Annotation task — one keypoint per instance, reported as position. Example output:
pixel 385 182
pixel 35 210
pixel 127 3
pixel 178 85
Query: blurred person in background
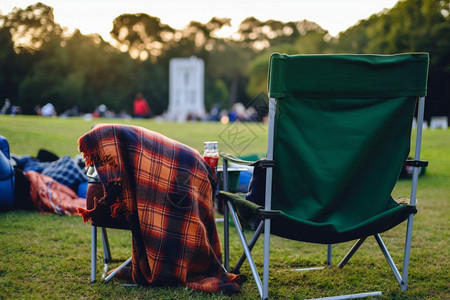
pixel 141 109
pixel 48 110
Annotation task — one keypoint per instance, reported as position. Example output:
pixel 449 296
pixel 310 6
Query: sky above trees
pixel 97 16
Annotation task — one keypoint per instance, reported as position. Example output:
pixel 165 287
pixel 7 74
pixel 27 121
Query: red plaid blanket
pixel 164 188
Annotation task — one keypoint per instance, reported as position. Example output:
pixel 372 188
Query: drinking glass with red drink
pixel 211 154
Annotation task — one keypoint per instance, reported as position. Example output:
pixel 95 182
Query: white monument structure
pixel 186 88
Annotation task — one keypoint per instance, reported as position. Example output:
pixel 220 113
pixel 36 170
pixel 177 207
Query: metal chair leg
pixel 93 253
pixel 351 252
pixel 329 254
pixel 107 258
pixel 105 243
pixel 114 273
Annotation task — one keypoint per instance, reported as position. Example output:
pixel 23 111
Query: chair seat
pixel 287 226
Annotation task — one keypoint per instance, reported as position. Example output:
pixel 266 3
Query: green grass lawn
pixel 28 134
pixel 48 256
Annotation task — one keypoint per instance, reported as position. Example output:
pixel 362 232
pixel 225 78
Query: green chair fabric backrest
pixel 342 133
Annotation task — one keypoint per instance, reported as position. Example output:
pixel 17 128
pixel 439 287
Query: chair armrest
pixel 268 214
pixel 264 163
pixel 416 163
pixel 234 159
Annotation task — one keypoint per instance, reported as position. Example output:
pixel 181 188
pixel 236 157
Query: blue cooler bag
pixel 6 177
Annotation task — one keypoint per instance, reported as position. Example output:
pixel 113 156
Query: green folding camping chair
pixel 339 133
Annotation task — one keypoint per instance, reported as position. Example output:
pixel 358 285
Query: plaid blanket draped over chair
pixel 164 189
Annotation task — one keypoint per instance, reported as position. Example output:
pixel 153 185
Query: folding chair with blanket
pixel 339 134
pixel 162 190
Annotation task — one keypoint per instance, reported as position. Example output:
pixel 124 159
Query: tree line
pixel 42 62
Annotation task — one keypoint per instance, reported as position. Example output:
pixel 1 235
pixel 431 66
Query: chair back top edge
pixel 348 75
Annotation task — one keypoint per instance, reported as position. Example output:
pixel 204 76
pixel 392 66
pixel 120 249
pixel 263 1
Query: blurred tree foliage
pixel 41 62
pixel 411 26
